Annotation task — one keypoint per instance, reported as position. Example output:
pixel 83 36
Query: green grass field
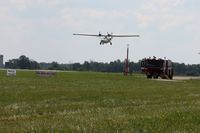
pixel 97 103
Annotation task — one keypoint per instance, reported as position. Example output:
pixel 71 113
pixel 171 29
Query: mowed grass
pixel 97 103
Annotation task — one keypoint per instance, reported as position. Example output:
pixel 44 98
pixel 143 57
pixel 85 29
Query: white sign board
pixel 11 72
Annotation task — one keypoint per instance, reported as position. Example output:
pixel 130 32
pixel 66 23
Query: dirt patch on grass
pixel 179 79
pixel 186 78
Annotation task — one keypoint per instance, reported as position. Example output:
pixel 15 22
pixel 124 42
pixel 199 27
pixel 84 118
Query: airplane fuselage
pixel 105 40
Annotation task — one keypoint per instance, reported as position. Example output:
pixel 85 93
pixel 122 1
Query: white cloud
pixel 174 21
pixel 3 11
pixel 7 20
pixel 143 20
pixel 21 4
pixel 24 4
pixel 161 5
pixel 49 2
pixel 164 14
pixel 80 18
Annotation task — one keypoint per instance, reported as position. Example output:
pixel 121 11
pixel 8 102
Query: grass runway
pixel 98 103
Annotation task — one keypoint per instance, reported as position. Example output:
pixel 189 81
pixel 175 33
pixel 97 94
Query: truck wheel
pixel 149 76
pixel 155 76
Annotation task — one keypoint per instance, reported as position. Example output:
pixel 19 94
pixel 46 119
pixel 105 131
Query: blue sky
pixel 42 29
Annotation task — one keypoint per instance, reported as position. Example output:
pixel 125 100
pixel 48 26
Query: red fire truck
pixel 157 68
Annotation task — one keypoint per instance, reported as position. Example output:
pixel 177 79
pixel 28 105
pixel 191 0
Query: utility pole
pixel 126 71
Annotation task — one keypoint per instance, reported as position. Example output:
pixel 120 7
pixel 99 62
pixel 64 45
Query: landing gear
pixel 110 43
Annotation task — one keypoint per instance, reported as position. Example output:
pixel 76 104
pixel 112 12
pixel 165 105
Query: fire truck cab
pixel 154 68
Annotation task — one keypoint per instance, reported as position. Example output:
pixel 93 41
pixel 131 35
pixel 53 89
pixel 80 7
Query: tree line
pixel 24 62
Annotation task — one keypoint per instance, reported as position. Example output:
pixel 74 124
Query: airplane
pixel 106 38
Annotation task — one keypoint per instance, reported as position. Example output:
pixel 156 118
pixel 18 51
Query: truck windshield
pixel 152 63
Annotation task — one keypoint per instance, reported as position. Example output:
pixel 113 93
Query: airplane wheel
pixel 110 43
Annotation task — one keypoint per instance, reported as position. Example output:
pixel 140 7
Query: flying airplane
pixel 106 38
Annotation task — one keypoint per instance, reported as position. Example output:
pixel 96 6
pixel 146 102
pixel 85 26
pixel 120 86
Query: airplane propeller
pixel 109 34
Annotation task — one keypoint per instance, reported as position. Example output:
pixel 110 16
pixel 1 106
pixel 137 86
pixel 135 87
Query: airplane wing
pixel 98 35
pixel 108 35
pixel 125 35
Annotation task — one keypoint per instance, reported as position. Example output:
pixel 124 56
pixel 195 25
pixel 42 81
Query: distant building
pixel 7 65
pixel 1 61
